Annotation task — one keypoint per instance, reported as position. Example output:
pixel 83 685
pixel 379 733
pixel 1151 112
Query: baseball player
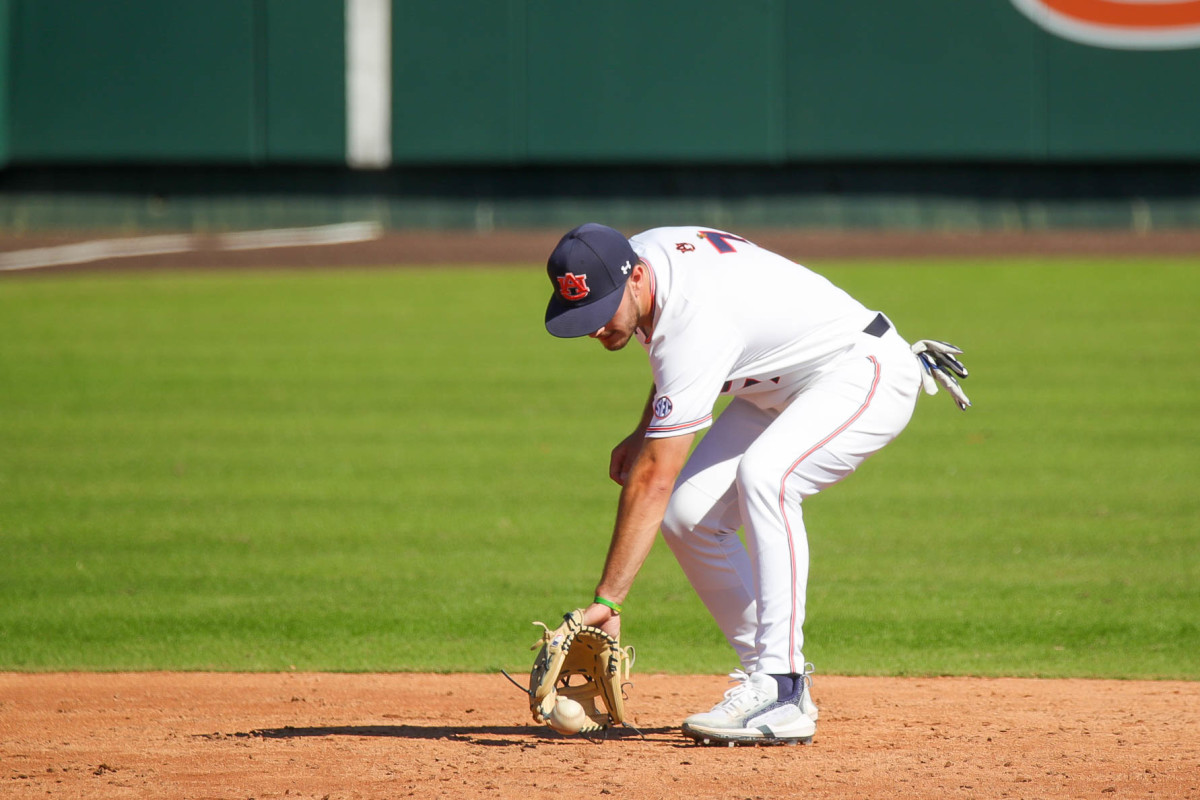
pixel 818 383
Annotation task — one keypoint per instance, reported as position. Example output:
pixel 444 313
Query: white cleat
pixel 752 713
pixel 806 702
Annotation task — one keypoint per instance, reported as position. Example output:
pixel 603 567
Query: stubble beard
pixel 616 343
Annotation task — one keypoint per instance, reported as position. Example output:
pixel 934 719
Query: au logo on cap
pixel 573 287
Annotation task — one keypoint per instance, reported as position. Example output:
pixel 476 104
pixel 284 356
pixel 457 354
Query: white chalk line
pixel 343 233
pixel 84 252
pixel 101 249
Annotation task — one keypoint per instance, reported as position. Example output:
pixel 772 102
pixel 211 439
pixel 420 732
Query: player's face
pixel 617 332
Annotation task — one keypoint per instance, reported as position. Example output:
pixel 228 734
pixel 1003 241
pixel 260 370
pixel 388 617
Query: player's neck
pixel 645 301
pixel 645 321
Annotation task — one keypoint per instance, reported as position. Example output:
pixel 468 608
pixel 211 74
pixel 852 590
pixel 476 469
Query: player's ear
pixel 636 277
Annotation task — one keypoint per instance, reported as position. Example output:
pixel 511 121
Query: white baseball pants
pixel 754 468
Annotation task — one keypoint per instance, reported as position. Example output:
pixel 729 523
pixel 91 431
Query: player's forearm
pixel 639 517
pixel 644 499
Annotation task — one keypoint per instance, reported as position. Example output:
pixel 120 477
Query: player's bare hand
pixel 623 456
pixel 604 618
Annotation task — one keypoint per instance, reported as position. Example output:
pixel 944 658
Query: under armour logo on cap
pixel 588 270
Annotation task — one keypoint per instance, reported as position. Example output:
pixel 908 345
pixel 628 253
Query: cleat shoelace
pixel 742 697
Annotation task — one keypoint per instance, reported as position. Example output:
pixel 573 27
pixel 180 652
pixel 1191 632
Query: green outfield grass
pixel 399 470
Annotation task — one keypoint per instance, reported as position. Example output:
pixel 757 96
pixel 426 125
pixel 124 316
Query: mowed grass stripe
pixel 378 470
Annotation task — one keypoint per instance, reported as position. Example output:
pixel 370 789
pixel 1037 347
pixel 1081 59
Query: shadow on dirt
pixel 479 734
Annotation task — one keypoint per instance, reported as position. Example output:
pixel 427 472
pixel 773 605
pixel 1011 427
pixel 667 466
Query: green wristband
pixel 614 606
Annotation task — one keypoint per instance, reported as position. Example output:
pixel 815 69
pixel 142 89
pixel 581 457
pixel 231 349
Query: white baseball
pixel 567 717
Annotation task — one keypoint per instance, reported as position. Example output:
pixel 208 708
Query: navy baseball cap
pixel 588 270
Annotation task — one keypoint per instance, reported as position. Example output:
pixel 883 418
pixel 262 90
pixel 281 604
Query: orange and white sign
pixel 1121 24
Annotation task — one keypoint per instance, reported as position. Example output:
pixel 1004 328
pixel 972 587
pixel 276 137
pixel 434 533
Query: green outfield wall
pixel 5 74
pixel 950 113
pixel 231 81
pixel 513 82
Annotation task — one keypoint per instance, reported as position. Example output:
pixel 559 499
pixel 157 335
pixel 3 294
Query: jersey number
pixel 721 241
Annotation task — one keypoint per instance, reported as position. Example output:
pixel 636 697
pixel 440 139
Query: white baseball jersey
pixel 733 318
pixel 820 384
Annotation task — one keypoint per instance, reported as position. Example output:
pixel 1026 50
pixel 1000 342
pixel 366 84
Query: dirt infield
pixel 336 736
pixel 399 248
